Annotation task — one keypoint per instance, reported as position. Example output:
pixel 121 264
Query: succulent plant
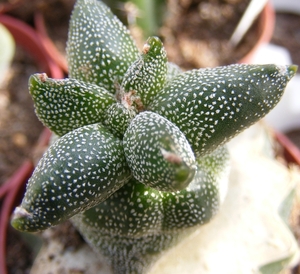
pixel 141 160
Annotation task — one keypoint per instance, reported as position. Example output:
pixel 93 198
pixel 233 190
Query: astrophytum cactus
pixel 141 159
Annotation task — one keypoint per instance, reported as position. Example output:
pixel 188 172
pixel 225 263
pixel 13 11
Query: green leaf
pixel 117 118
pixel 81 169
pixel 173 71
pixel 275 267
pixel 157 153
pixel 64 105
pixel 134 225
pixel 147 75
pixel 126 228
pixel 100 48
pixel 135 210
pixel 210 106
pixel 200 201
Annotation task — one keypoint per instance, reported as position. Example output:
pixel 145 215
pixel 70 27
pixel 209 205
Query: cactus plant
pixel 141 159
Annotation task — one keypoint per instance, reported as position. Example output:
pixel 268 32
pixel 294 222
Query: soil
pixel 205 27
pixel 19 127
pixel 18 123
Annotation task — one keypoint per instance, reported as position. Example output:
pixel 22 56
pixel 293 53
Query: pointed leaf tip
pixel 99 48
pixel 292 69
pixel 153 45
pixel 66 104
pixel 287 71
pixel 80 170
pixel 20 217
pixel 148 74
pixel 215 104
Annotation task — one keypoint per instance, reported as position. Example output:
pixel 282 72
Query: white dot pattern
pixel 157 153
pixel 140 221
pixel 117 118
pixel 64 105
pixel 100 48
pixel 77 172
pixel 210 106
pixel 147 75
pixel 172 71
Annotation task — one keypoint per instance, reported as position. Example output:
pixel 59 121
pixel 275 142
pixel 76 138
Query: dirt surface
pixel 197 32
pixel 19 127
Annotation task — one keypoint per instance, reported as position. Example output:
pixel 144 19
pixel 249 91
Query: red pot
pixel 291 152
pixel 39 46
pixel 266 29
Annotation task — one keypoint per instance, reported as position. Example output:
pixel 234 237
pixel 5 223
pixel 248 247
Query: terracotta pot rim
pixel 34 43
pixel 291 151
pixel 267 24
